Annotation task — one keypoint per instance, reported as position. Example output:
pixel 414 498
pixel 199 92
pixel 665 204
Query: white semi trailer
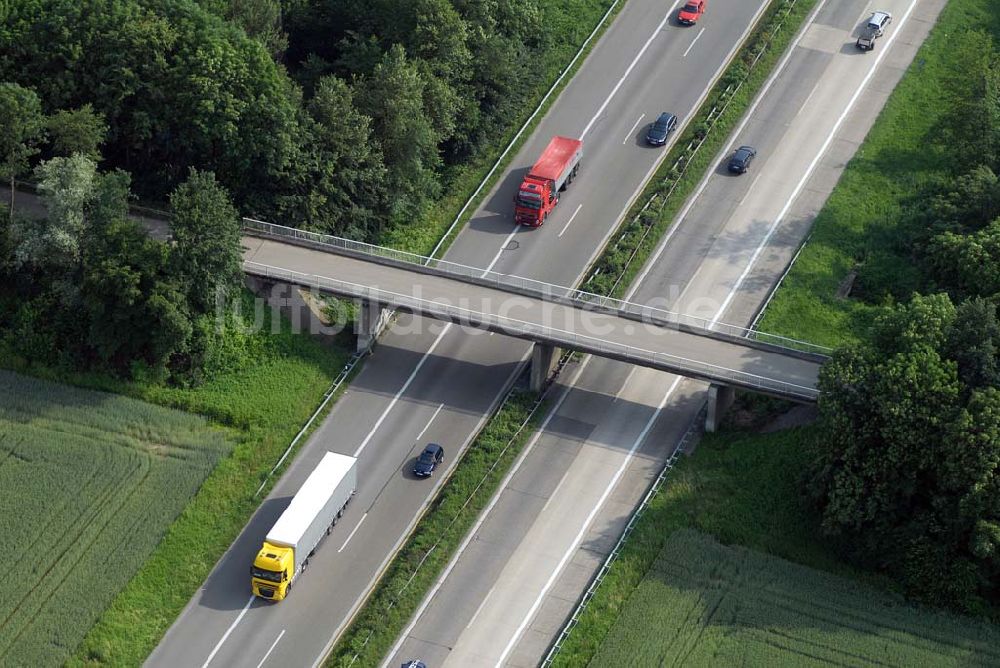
pixel 309 517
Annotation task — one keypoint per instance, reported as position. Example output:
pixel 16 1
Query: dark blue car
pixel 428 460
pixel 658 131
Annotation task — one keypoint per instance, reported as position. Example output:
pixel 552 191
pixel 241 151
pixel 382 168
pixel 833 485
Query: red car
pixel 691 12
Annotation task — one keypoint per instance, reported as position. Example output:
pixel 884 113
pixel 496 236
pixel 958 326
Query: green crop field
pixel 706 604
pixel 89 482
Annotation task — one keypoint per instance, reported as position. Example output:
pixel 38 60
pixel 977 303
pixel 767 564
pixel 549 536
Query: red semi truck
pixel 539 192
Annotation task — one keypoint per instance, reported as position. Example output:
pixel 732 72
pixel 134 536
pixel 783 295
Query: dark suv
pixel 741 159
pixel 658 131
pixel 428 460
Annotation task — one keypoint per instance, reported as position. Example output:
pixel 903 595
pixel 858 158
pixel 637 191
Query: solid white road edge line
pixel 628 70
pixel 483 515
pixel 629 135
pixel 273 645
pixel 691 46
pixel 586 523
pixel 353 531
pixel 725 149
pixel 440 406
pixel 406 385
pixel 568 222
pixel 812 165
pixel 225 635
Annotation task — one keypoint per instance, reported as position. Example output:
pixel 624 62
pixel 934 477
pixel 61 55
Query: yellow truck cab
pixel 310 516
pixel 271 574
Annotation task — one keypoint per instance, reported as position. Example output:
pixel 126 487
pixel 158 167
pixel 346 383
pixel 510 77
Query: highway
pixel 506 596
pixel 439 383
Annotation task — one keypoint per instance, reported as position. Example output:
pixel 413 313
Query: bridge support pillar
pixel 370 322
pixel 543 360
pixel 720 399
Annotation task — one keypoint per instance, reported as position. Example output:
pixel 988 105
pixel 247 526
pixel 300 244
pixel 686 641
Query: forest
pixel 336 115
pixel 340 116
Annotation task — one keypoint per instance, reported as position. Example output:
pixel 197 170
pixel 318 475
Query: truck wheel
pixel 340 513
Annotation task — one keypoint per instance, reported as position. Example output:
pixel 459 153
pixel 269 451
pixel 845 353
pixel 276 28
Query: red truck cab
pixel 538 193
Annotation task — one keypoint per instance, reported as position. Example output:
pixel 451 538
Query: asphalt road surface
pixel 503 600
pixel 439 384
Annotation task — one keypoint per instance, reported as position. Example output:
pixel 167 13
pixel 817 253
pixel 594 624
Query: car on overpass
pixel 691 12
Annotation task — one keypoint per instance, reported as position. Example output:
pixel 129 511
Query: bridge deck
pixel 734 362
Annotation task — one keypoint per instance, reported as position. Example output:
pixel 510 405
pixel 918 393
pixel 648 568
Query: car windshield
pixel 529 200
pixel 427 456
pixel 262 574
pixel 691 7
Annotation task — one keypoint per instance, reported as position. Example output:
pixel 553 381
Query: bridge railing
pixel 541 288
pixel 534 331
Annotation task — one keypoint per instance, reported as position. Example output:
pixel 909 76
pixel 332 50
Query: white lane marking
pixel 225 635
pixel 586 523
pixel 440 406
pixel 483 515
pixel 691 46
pixel 812 166
pixel 629 135
pixel 406 385
pixel 353 531
pixel 628 71
pixel 273 645
pixel 808 98
pixel 654 260
pixel 579 206
pixel 749 190
pixel 496 257
pixel 481 606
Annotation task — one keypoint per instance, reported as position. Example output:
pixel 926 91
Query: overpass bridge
pixel 551 316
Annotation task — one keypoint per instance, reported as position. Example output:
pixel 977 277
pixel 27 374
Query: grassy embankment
pixel 85 475
pixel 743 489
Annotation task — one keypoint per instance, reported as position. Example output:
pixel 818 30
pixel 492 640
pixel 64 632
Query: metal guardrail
pixel 542 289
pixel 534 331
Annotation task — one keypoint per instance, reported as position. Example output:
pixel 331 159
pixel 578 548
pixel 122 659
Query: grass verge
pixel 567 23
pixel 695 150
pixel 714 604
pixel 265 401
pixel 438 533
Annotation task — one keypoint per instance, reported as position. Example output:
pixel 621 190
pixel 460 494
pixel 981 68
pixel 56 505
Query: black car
pixel 741 159
pixel 428 460
pixel 414 663
pixel 658 131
